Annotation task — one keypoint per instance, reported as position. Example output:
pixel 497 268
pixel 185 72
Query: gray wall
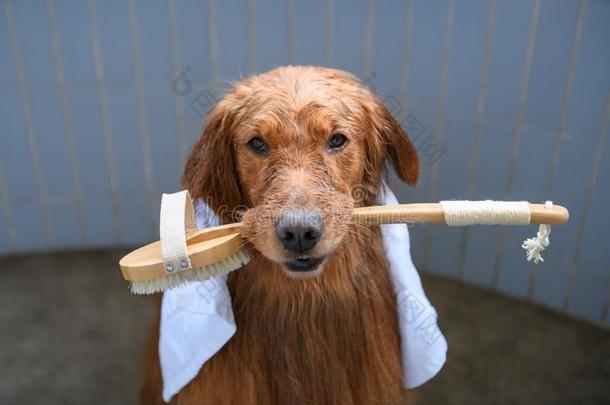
pixel 511 99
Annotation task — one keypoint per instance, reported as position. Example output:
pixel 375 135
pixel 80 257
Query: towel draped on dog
pixel 197 319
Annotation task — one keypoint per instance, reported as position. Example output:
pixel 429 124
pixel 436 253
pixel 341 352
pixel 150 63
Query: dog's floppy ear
pixel 389 142
pixel 210 172
pixel 399 148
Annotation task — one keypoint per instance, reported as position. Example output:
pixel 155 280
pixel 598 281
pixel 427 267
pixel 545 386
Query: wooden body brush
pixel 182 256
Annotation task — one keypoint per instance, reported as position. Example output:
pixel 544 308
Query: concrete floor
pixel 70 334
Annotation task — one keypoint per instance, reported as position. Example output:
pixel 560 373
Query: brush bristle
pixel 181 278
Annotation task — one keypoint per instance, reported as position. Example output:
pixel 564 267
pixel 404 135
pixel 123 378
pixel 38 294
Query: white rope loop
pixel 535 246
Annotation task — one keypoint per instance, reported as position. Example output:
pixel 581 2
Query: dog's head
pixel 300 147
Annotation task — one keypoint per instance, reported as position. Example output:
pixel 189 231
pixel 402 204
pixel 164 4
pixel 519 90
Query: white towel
pixel 197 319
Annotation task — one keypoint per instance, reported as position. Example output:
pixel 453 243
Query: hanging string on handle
pixel 535 246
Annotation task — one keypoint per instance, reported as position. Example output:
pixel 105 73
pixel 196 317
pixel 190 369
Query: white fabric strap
pixel 488 212
pixel 176 219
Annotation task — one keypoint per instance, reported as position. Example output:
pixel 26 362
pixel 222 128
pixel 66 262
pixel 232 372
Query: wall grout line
pixel 68 122
pixel 606 307
pixel 478 126
pixel 602 139
pixel 107 135
pixel 518 131
pixel 213 47
pixel 406 58
pixel 251 11
pixel 290 34
pixel 561 127
pixel 181 137
pixel 440 119
pixel 367 45
pixel 63 199
pixel 143 116
pixel 26 107
pixel 9 219
pixel 329 32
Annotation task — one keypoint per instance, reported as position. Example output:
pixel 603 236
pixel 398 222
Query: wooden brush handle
pixel 432 213
pixel 429 213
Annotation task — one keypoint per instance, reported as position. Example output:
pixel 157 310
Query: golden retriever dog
pixel 315 307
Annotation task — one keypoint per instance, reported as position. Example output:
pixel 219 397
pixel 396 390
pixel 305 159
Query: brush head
pixel 211 252
pixel 180 278
pixel 183 254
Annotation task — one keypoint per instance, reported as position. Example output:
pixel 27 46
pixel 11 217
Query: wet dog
pixel 291 152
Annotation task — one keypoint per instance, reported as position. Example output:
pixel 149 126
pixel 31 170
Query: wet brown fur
pixel 330 339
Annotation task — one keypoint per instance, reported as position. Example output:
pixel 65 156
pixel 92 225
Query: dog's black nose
pixel 299 230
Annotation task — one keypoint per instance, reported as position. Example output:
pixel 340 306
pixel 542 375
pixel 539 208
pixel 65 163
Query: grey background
pixel 513 98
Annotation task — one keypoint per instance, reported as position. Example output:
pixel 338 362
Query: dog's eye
pixel 257 145
pixel 336 142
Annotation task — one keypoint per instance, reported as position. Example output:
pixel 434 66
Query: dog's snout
pixel 299 230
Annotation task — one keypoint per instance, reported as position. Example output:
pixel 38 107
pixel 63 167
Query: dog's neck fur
pixel 329 340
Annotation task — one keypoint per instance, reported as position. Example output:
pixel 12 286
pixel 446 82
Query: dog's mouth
pixel 305 264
